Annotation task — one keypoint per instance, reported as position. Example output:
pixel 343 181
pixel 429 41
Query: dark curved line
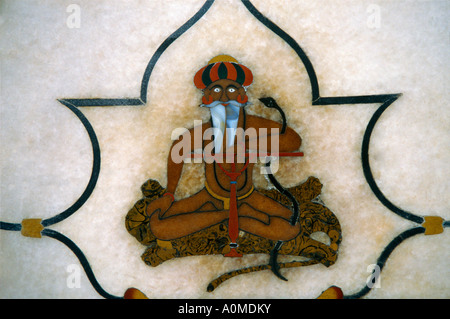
pixel 95 169
pixel 217 180
pixel 385 255
pixel 84 262
pixel 368 172
pixel 273 261
pixel 167 43
pixel 271 103
pixel 275 267
pixel 283 118
pixel 286 193
pixel 292 43
pixel 220 185
pixel 386 99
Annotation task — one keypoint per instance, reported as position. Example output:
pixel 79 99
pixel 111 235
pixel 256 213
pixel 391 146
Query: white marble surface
pixel 360 48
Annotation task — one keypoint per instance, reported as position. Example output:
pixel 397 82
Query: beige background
pixel 357 48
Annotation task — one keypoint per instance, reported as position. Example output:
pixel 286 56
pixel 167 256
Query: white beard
pixel 224 117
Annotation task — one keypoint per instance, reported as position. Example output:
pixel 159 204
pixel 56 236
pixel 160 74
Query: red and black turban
pixel 223 70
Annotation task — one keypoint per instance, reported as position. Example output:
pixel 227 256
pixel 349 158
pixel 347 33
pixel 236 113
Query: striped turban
pixel 223 67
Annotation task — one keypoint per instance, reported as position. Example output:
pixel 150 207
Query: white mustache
pixel 230 102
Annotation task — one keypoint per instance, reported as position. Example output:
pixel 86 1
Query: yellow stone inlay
pixel 332 293
pixel 225 200
pixel 223 58
pixel 433 225
pixel 32 227
pixel 133 293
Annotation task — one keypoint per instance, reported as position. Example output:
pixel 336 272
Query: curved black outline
pixel 148 70
pixel 174 36
pixel 84 262
pixel 368 172
pixel 385 99
pixel 273 260
pixel 90 186
pixel 72 104
pixel 315 91
pixel 292 43
pixel 95 169
pixel 385 255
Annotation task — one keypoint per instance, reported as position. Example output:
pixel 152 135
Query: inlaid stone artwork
pixel 224 149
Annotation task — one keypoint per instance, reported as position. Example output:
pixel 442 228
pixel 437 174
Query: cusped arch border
pixel 91 183
pixel 74 103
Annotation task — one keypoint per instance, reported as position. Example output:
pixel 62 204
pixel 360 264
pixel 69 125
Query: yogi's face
pixel 229 94
pixel 224 91
pixel 224 98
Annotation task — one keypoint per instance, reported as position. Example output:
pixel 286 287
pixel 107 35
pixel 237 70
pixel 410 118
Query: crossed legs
pixel 258 215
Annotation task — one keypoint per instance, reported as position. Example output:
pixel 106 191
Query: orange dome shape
pixel 223 67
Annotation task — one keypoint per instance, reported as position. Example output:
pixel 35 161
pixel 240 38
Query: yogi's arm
pixel 287 142
pixel 175 161
pixel 181 149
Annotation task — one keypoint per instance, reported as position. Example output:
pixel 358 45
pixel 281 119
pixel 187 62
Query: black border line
pixel 84 262
pixel 72 104
pixel 386 99
pixel 174 36
pixel 292 43
pixel 148 70
pixel 10 226
pixel 102 102
pixel 95 170
pixel 357 99
pixel 90 186
pixel 368 172
pixel 385 255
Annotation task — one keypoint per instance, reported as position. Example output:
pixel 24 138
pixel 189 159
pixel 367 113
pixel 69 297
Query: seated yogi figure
pixel 229 182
